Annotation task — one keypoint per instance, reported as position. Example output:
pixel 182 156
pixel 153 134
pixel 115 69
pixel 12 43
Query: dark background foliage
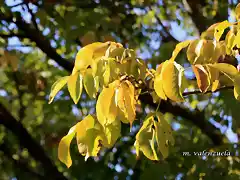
pixel 44 37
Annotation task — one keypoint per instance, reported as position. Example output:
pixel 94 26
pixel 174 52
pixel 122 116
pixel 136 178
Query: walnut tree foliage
pixel 119 89
pixel 116 77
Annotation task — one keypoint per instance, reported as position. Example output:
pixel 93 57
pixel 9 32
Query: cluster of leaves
pixel 115 76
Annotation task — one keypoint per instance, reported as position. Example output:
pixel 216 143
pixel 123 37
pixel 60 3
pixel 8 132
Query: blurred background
pixel 39 40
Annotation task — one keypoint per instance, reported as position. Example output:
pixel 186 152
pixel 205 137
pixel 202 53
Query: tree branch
pixel 33 18
pixel 209 91
pixel 4 147
pixel 26 140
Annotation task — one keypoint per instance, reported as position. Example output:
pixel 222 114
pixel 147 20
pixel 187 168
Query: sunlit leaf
pixel 89 83
pixel 144 139
pixel 126 100
pixel 64 147
pixel 170 76
pixel 56 87
pixel 202 77
pixel 178 48
pixel 163 135
pixel 237 11
pixel 75 86
pixel 106 107
pixel 219 29
pixel 225 68
pixel 112 132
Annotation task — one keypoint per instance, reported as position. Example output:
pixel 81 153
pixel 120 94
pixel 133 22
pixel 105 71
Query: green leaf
pixel 219 29
pixel 75 86
pixel 56 87
pixel 64 145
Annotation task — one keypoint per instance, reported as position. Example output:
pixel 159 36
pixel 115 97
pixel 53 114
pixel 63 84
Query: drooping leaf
pixel 56 87
pixel 112 132
pixel 90 136
pixel 158 87
pixel 191 51
pixel 64 147
pixel 75 86
pixel 106 107
pixel 237 11
pixel 202 77
pixel 144 139
pixel 229 40
pixel 126 100
pixel 163 135
pixel 170 76
pixel 89 83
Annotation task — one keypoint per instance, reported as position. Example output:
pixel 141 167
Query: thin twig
pixel 209 91
pixel 164 28
pixel 19 4
pixel 33 17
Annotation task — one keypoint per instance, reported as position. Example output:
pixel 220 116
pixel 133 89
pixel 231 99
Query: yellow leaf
pixel 215 85
pixel 56 87
pixel 163 134
pixel 90 136
pixel 202 77
pixel 106 107
pixel 112 132
pixel 64 145
pixel 209 33
pixel 229 41
pixel 219 29
pixel 170 76
pixel 89 83
pixel 87 54
pixel 126 100
pixel 144 139
pixel 75 86
pixel 191 51
pixel 178 48
pixel 236 89
pixel 237 12
pixel 158 87
pixel 236 41
pixel 225 68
